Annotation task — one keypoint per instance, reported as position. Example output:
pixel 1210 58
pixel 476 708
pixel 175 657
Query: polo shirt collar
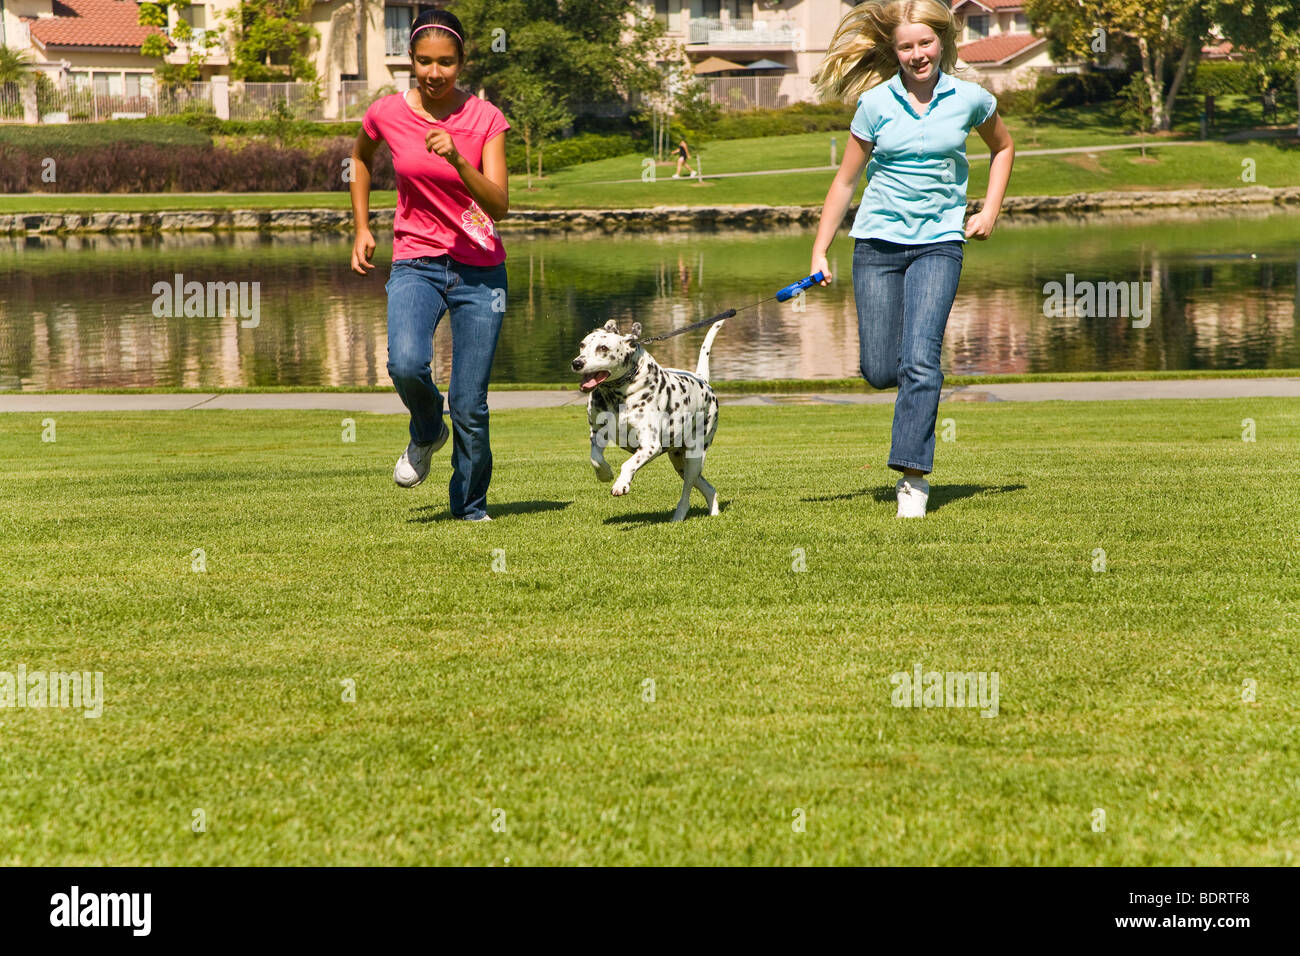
pixel 942 87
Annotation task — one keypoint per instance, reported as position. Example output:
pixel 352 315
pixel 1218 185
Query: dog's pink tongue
pixel 591 381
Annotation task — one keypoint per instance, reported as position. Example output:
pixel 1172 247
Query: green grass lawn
pixel 524 690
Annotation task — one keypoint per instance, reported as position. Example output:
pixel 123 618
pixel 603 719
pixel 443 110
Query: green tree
pixel 1269 32
pixel 590 49
pixel 1159 29
pixel 15 65
pixel 537 111
pixel 157 45
pixel 269 38
pixel 16 68
pixel 1135 108
pixel 1037 105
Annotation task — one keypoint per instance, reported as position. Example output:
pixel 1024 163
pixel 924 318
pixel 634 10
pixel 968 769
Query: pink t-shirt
pixel 436 214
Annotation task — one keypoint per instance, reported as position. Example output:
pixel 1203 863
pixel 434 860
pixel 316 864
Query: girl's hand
pixel 980 225
pixel 439 141
pixel 819 265
pixel 363 249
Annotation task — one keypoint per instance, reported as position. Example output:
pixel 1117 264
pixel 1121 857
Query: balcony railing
pixel 741 32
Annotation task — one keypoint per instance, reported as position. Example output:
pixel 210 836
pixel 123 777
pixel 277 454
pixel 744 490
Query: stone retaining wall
pixel 619 220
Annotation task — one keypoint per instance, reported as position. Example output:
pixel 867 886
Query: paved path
pixel 1019 153
pixel 386 403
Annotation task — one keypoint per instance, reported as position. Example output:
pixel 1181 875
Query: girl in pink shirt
pixel 449 154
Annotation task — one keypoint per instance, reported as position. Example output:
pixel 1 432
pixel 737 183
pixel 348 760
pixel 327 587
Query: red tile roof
pixel 102 23
pixel 997 49
pixel 992 4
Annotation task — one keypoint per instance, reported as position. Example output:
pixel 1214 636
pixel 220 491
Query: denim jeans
pixel 419 292
pixel 904 295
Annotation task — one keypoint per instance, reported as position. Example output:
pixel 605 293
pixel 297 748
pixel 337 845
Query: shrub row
pixel 1067 89
pixel 1220 78
pixel 147 167
pixel 53 138
pixel 790 120
pixel 140 165
pixel 584 148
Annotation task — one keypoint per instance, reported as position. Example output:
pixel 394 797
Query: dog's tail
pixel 702 370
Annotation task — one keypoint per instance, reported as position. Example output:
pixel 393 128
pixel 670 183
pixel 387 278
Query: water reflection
pixel 77 311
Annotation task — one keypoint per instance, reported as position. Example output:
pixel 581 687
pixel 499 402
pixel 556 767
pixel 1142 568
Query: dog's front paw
pixel 620 489
pixel 603 471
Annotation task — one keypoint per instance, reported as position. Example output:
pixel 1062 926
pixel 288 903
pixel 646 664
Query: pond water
pixel 1223 293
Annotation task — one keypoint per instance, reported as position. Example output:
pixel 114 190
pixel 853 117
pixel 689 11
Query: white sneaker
pixel 692 174
pixel 913 493
pixel 413 467
pixel 483 517
pixel 677 175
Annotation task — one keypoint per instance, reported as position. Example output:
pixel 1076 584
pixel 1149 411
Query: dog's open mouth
pixel 593 379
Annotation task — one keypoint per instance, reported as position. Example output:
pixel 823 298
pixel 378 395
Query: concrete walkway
pixel 1060 151
pixel 387 403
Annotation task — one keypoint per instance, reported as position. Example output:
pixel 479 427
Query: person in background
pixel 683 159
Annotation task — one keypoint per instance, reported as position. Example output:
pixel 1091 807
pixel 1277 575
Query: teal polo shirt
pixel 916 177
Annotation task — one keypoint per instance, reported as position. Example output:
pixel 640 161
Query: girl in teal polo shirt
pixel 909 133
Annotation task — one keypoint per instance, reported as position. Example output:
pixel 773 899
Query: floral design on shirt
pixel 478 224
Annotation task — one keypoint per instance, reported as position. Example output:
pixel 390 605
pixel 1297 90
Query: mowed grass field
pixel 505 716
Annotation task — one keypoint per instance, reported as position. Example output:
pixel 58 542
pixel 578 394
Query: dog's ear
pixel 636 331
pixel 611 326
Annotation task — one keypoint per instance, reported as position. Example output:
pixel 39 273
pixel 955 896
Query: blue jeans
pixel 904 295
pixel 419 292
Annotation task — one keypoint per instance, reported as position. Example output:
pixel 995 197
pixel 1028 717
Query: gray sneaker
pixel 413 467
pixel 482 517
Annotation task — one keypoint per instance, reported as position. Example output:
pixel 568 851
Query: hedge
pixel 790 120
pixel 1220 78
pixel 151 168
pixel 585 148
pixel 52 138
pixel 1067 89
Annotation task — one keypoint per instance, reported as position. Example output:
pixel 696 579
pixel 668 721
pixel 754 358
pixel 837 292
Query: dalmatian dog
pixel 648 410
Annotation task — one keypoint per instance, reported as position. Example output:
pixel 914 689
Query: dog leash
pixel 787 293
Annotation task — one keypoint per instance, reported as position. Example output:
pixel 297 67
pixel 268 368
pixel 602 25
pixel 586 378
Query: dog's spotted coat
pixel 648 410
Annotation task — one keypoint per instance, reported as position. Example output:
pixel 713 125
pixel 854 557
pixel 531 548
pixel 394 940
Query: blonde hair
pixel 861 55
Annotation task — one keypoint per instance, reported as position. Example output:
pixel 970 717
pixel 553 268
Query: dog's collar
pixel 609 383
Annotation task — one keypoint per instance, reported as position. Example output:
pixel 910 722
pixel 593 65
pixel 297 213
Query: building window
pixel 195 15
pixel 669 13
pixel 1021 23
pixel 397 30
pixel 978 26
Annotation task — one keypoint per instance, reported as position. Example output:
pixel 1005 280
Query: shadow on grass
pixel 434 513
pixel 940 495
pixel 664 516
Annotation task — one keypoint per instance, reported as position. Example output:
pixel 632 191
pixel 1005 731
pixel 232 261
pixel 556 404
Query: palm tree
pixel 14 65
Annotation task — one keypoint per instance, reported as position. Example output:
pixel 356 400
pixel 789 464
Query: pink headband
pixel 440 27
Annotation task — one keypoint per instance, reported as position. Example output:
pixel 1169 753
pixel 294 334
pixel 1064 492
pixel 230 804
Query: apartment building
pixel 751 52
pixel 784 41
pixel 95 44
pixel 998 45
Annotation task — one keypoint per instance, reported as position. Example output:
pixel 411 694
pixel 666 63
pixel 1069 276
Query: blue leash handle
pixel 794 288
